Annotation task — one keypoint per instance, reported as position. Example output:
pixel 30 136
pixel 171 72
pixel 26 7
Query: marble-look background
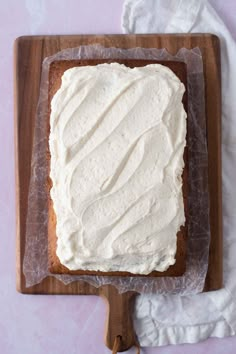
pixel 57 324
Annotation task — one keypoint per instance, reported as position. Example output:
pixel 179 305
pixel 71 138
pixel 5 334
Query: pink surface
pixel 57 324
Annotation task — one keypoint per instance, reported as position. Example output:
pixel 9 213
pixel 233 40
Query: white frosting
pixel 117 141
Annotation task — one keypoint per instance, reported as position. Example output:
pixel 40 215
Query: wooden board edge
pixel 16 164
pixel 101 35
pixel 216 252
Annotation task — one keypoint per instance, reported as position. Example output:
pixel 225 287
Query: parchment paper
pixel 35 265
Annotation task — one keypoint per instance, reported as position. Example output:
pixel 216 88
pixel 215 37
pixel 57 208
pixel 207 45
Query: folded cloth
pixel 161 320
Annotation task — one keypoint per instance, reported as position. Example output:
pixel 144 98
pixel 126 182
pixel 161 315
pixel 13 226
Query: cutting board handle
pixel 119 318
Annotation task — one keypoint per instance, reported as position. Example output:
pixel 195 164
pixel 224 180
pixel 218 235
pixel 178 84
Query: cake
pixel 117 136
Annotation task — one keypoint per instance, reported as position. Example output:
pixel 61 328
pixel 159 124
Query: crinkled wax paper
pixel 36 259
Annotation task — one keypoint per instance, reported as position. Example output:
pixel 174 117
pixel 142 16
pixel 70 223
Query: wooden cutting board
pixel 29 54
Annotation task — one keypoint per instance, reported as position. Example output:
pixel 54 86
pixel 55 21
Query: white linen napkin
pixel 162 320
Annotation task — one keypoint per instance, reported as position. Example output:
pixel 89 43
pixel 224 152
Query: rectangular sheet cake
pixel 118 169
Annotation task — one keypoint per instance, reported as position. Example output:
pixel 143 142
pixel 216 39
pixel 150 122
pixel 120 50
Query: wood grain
pixel 29 53
pixel 119 317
